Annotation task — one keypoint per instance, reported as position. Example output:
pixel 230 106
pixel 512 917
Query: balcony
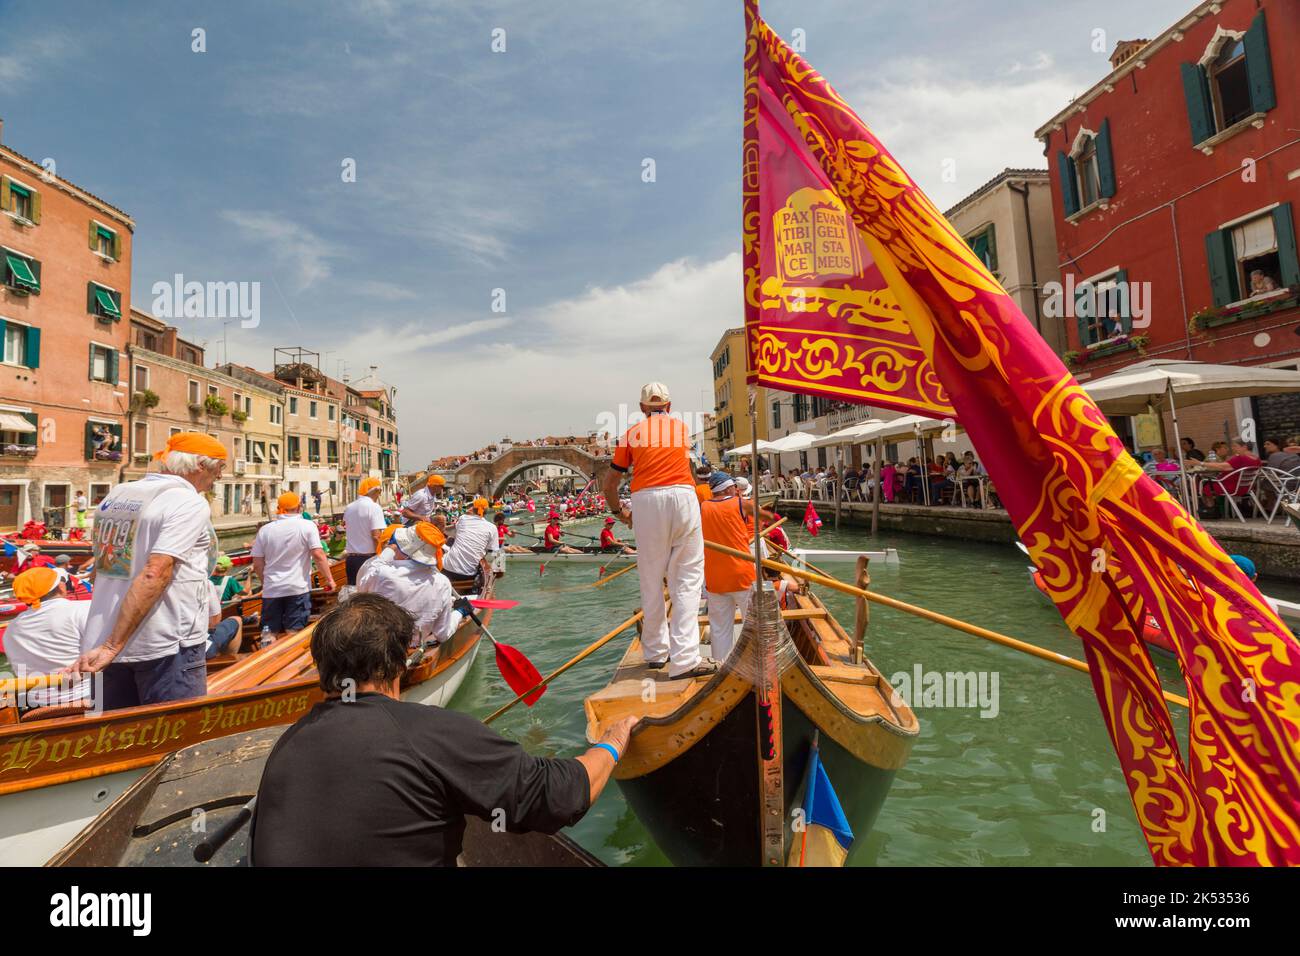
pixel 844 417
pixel 17 451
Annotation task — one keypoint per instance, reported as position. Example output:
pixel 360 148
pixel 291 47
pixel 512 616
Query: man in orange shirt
pixel 669 542
pixel 727 519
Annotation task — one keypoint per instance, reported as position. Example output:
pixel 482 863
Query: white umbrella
pixel 905 426
pixel 1132 390
pixel 847 436
pixel 749 449
pixel 795 441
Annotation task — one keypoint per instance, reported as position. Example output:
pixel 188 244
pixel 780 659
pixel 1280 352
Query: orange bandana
pixel 288 503
pixel 196 443
pixel 34 584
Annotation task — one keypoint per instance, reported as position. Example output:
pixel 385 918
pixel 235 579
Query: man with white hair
pixel 154 548
pixel 656 451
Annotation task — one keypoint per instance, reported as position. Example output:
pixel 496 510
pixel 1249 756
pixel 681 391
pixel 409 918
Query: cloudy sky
pixel 518 170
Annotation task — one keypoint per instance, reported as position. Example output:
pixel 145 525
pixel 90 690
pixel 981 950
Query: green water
pixel 1020 788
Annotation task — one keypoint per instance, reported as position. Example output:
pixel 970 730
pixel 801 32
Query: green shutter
pixel 1121 280
pixel 35 423
pixel 107 305
pixel 21 271
pixel 1196 91
pixel 117 246
pixel 1223 266
pixel 36 208
pixel 1105 162
pixel 32 347
pixel 90 297
pixel 90 443
pixel 94 236
pixel 1082 316
pixel 36 271
pixel 1288 261
pixel 1069 188
pixel 112 366
pixel 1259 68
pixel 6 201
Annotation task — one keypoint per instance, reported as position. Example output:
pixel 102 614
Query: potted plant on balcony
pixel 239 416
pixel 215 405
pixel 145 398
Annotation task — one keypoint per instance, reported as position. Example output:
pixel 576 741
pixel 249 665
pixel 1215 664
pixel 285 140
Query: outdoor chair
pixel 1272 488
pixel 1243 479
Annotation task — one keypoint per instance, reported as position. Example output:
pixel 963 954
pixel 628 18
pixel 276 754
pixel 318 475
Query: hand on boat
pixel 625 516
pixel 619 734
pixel 92 662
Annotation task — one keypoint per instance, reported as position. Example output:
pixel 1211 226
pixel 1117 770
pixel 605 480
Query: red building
pixel 1176 184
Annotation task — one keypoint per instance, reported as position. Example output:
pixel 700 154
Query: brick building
pixel 311 425
pixel 65 257
pixel 1176 183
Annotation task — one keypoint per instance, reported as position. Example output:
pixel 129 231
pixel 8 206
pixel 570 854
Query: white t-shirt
pixel 424 593
pixel 286 545
pixel 361 518
pixel 421 502
pixel 475 537
pixel 214 601
pixel 159 514
pixel 45 639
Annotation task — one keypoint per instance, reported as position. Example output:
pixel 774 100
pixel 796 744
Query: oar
pixel 591 649
pixel 972 629
pixel 611 577
pixel 208 847
pixel 574 534
pixel 515 667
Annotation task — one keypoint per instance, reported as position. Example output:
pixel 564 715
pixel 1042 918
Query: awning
pixel 1130 390
pixel 22 271
pixel 105 300
pixel 848 436
pixel 13 422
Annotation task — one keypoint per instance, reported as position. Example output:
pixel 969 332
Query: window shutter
pixel 35 266
pixel 1288 261
pixel 1082 314
pixel 1069 188
pixel 112 366
pixel 1196 91
pixel 90 443
pixel 91 372
pixel 5 199
pixel 1222 263
pixel 117 246
pixel 1259 68
pixel 35 422
pixel 1105 162
pixel 36 199
pixel 32 347
pixel 90 297
pixel 94 236
pixel 1121 280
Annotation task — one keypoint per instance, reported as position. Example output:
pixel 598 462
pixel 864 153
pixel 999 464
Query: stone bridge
pixel 490 477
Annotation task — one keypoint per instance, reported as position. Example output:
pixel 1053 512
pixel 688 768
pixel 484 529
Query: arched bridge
pixel 490 477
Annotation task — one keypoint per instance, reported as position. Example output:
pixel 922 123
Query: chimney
pixel 1125 51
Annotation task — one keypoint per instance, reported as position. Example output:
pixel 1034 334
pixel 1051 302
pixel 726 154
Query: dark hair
pixel 499 518
pixel 363 640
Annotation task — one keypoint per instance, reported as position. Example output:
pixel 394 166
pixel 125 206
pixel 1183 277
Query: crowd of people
pixel 942 480
pixel 592 444
pixel 1229 470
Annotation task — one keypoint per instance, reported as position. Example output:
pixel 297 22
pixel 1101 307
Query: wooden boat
pixel 59 769
pixel 585 556
pixel 699 772
pixel 152 823
pixel 887 557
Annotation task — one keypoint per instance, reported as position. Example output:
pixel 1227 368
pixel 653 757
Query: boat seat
pixel 623 695
pixel 50 713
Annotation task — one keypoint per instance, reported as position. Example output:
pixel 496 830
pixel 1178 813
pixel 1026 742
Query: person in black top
pixel 365 779
pixel 1190 451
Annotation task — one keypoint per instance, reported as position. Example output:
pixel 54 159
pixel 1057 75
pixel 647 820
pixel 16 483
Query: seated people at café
pixel 47 637
pixel 1219 451
pixel 967 477
pixel 365 779
pixel 406 572
pixel 1279 458
pixel 1242 456
pixel 1190 451
pixel 224 635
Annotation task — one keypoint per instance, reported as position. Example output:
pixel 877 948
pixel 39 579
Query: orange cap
pixel 288 502
pixel 34 583
pixel 368 485
pixel 196 443
pixel 436 480
pixel 479 504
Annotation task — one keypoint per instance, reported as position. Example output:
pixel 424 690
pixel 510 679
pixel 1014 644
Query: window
pixel 985 246
pixel 1231 82
pixel 330 416
pixel 238 402
pixel 313 451
pixel 1087 173
pixel 239 447
pixel 146 340
pixel 103 302
pixel 17 432
pixel 332 452
pixel 98 492
pixel 311 409
pixel 22 273
pixel 212 391
pixel 104 241
pixel 103 364
pixel 293 404
pixel 1253 257
pixel 103 441
pixel 22 344
pixel 1101 307
pixel 140 439
pixel 194 392
pixel 173 431
pixel 141 378
pixel 295 454
pixel 248 405
pixel 258 452
pixel 21 200
pixel 275 453
pixel 801 408
pixel 277 411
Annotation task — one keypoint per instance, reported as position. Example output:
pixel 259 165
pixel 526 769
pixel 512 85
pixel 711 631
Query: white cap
pixel 743 484
pixel 415 548
pixel 655 394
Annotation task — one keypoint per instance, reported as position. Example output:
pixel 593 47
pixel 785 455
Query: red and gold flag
pixel 896 310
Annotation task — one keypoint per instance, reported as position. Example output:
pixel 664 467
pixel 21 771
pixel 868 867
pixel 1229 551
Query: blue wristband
pixel 610 747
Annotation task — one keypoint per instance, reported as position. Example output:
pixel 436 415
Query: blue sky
pixel 520 170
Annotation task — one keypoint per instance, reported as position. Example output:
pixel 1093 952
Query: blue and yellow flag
pixel 826 835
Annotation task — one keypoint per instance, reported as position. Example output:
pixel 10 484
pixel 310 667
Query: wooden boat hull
pixel 57 774
pixel 152 824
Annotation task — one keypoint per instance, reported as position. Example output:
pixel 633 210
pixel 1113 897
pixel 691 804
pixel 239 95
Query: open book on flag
pixel 857 288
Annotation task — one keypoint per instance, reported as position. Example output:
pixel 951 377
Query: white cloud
pixel 290 245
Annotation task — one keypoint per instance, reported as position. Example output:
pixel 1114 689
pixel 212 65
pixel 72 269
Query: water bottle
pixel 266 639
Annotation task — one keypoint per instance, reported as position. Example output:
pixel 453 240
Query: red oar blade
pixel 519 672
pixel 493 604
